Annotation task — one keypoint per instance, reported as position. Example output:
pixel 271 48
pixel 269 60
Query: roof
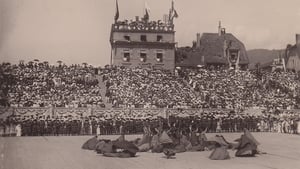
pixel 211 50
pixel 212 47
pixel 294 51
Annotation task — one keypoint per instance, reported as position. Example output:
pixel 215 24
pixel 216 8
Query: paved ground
pixel 65 153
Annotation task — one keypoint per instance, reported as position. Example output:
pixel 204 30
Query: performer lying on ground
pixel 247 145
pixel 169 143
pixel 219 146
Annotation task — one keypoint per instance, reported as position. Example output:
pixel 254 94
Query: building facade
pixel 143 43
pixel 215 49
pixel 293 55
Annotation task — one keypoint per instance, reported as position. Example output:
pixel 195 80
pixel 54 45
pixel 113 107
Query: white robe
pixel 98 130
pixel 18 130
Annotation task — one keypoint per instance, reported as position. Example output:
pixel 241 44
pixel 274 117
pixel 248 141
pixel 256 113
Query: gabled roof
pixel 211 50
pixel 212 47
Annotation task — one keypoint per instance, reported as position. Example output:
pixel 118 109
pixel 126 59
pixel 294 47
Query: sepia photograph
pixel 149 84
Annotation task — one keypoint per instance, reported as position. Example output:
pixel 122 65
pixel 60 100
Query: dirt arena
pixel 64 152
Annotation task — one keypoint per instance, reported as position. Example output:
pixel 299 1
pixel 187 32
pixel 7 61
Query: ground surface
pixel 64 152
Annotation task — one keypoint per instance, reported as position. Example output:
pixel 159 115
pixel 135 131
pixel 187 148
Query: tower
pixel 143 43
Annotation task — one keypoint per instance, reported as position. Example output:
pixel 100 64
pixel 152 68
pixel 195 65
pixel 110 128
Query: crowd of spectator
pixel 244 89
pixel 38 84
pixel 146 88
pixel 214 121
pixel 201 88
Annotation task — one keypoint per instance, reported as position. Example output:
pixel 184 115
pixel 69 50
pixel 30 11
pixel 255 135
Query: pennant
pixel 173 13
pixel 146 17
pixel 147 12
pixel 117 11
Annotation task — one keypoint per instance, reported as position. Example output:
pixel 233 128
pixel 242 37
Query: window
pixel 143 38
pixel 143 57
pixel 233 55
pixel 127 37
pixel 159 38
pixel 126 57
pixel 159 57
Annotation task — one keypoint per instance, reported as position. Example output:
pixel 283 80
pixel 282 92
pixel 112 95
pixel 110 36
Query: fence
pixel 112 112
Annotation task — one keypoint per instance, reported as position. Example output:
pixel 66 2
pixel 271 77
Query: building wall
pixel 136 36
pixel 293 63
pixel 151 61
pixel 150 47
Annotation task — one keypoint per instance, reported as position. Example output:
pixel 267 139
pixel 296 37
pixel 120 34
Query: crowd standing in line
pixel 96 125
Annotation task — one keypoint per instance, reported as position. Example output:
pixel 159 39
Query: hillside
pixel 262 56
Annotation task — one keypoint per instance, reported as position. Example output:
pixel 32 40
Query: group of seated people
pixel 243 89
pixel 145 88
pixel 38 84
pixel 168 141
pixel 201 88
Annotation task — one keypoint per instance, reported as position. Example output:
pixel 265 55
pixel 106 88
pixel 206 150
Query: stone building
pixel 144 43
pixel 214 49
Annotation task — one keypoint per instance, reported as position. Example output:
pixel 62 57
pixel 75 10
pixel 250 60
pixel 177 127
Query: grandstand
pixel 36 91
pixel 41 85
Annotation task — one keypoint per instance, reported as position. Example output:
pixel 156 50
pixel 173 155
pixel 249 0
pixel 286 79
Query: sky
pixel 77 31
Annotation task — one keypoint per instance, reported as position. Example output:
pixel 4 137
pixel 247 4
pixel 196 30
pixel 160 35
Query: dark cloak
pixel 90 144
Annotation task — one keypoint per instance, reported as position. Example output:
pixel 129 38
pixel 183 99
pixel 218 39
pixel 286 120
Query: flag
pixel 146 17
pixel 173 13
pixel 117 11
pixel 147 12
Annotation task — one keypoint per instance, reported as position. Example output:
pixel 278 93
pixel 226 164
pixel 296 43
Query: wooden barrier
pixel 110 113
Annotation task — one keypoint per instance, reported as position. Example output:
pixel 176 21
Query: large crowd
pixel 145 88
pixel 244 89
pixel 201 88
pixel 38 84
pixel 214 121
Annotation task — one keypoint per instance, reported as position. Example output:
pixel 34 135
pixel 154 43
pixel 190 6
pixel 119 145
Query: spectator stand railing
pixel 107 113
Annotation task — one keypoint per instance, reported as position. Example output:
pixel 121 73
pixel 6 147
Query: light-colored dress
pixel 98 130
pixel 18 130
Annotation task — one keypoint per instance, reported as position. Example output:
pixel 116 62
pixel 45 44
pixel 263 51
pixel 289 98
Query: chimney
pixel 198 40
pixel 219 28
pixel 137 18
pixel 223 31
pixel 298 40
pixel 194 45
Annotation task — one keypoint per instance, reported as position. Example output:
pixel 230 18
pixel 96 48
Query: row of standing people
pixel 93 126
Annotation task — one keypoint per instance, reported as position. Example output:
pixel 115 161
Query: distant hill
pixel 262 56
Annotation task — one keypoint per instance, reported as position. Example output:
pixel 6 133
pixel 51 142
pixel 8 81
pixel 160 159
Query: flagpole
pixel 111 49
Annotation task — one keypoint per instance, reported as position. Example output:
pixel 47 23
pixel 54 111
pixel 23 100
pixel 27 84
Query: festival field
pixel 64 152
